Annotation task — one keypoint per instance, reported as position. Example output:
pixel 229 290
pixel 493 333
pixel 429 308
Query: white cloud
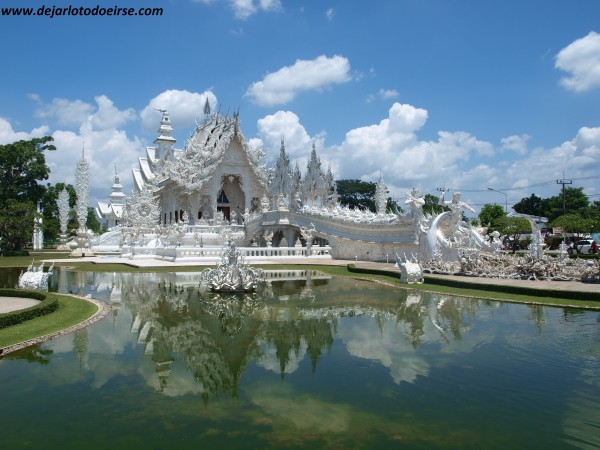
pixel 8 134
pixel 100 128
pixel 243 9
pixel 515 143
pixel 286 124
pixel 383 94
pixel 104 149
pixel 579 157
pixel 284 85
pixel 107 116
pixel 184 107
pixel 329 14
pixel 66 112
pixel 386 94
pixel 393 147
pixel 581 61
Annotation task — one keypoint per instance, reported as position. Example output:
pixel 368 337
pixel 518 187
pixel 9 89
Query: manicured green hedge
pixel 14 253
pixel 387 273
pixel 511 289
pixel 47 305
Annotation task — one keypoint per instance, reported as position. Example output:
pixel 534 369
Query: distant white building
pixel 110 214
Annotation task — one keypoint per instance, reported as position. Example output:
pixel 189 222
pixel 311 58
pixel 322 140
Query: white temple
pixel 187 202
pixel 217 175
pixel 110 214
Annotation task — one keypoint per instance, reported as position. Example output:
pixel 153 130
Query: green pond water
pixel 310 361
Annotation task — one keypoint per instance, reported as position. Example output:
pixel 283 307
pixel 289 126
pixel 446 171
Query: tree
pixel 356 194
pixel 491 216
pixel 16 224
pixel 513 228
pixel 573 202
pixel 576 224
pixel 92 221
pixel 533 206
pixel 432 205
pixel 22 165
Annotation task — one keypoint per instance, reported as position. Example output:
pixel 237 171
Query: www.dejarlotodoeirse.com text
pixel 94 11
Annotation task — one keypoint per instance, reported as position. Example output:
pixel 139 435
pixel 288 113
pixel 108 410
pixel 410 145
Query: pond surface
pixel 315 362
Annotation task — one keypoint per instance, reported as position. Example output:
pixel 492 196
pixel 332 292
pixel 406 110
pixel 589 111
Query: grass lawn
pixel 24 261
pixel 71 311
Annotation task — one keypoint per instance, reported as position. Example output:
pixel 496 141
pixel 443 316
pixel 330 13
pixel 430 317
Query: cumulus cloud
pixel 393 145
pixel 8 134
pixel 578 157
pixel 65 112
pixel 99 128
pixel 286 124
pixel 581 61
pixel 184 107
pixel 284 85
pixel 515 143
pixel 383 94
pixel 243 9
pixel 104 149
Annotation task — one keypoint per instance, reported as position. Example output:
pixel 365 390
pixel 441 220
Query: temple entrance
pixel 226 210
pixel 231 199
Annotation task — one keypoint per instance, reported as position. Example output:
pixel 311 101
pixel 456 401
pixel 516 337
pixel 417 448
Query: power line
pixel 564 182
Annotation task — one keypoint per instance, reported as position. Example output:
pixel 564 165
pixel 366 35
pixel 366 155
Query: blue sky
pixel 458 94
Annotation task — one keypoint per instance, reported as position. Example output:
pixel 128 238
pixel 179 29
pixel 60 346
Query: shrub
pixel 387 273
pixel 47 305
pixel 14 253
pixel 553 242
pixel 512 289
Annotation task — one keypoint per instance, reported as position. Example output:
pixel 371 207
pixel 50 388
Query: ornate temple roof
pixel 205 150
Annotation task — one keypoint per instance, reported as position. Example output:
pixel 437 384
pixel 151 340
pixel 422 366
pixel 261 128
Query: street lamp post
pixel 505 198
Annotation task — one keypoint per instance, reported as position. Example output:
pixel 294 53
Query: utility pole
pixel 563 182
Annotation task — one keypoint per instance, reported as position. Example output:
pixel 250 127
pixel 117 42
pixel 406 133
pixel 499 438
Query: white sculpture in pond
pixel 35 277
pixel 232 273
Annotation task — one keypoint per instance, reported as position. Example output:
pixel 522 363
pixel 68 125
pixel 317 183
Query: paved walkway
pixel 9 304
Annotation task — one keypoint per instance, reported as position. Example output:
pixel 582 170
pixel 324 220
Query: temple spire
pixel 164 141
pixel 206 108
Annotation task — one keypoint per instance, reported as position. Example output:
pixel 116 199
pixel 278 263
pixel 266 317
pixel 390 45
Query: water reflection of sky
pixel 334 355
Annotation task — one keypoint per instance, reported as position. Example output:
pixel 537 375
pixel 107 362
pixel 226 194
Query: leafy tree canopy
pixel 16 224
pixel 22 165
pixel 533 205
pixel 356 194
pixel 491 216
pixel 432 205
pixel 574 201
pixel 576 224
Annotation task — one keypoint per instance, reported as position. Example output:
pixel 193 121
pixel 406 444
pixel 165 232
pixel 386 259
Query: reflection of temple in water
pixel 295 313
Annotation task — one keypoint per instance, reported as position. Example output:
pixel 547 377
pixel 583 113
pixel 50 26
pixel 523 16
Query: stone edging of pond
pixel 103 310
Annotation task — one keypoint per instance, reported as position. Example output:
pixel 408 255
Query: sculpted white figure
pixel 35 278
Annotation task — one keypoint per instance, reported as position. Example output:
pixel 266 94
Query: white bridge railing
pixel 215 253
